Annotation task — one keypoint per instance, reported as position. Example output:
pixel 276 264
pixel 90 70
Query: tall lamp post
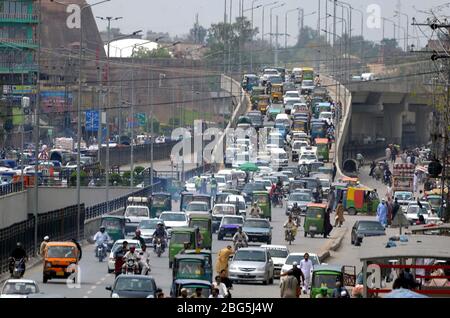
pixel 263 15
pixel 407 27
pixel 251 44
pixel 80 53
pixel 271 9
pixel 286 25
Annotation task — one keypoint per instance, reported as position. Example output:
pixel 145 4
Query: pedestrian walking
pixel 395 208
pixel 222 259
pixel 306 267
pixel 382 213
pixel 289 287
pixel 388 153
pixel 339 218
pixel 43 246
pixel 327 223
pixel 334 171
pixel 415 183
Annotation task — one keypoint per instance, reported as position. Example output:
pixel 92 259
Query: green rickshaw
pixel 323 150
pixel 179 236
pixel 161 201
pixel 114 226
pixel 328 275
pixel 262 198
pixel 186 198
pixel 204 223
pixel 315 219
pixel 256 92
pixel 191 266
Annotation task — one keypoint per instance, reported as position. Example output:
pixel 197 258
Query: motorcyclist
pixel 17 253
pixel 240 236
pixel 255 211
pixel 101 238
pixel 139 238
pixel 387 175
pixel 130 255
pixel 160 233
pixel 295 212
pixel 290 226
pixel 144 260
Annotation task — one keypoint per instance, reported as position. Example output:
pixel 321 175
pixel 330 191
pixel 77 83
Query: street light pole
pixel 263 15
pixel 271 9
pixel 407 27
pixel 286 25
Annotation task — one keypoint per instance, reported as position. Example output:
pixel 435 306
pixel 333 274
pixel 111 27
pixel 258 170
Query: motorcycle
pixel 130 267
pixel 101 252
pixel 290 236
pixel 296 217
pixel 238 244
pixel 159 248
pixel 18 266
pixel 277 199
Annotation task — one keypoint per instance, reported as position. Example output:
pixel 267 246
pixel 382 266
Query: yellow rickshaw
pixel 277 93
pixel 263 103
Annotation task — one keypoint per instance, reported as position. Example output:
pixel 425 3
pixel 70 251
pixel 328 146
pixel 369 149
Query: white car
pixel 221 182
pixel 174 219
pixel 147 228
pixel 160 140
pixel 279 254
pixel 117 244
pixel 197 207
pixel 19 288
pixel 291 94
pixel 413 212
pixel 297 257
pixel 327 117
pixel 307 158
pixel 231 199
pixel 134 214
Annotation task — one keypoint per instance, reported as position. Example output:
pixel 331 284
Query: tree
pixel 197 34
pixel 143 53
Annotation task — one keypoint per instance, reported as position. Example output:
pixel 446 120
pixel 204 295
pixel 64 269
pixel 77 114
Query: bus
pixel 308 73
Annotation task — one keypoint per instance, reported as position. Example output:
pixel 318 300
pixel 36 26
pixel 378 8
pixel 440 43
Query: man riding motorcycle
pixel 295 213
pixel 101 238
pixel 255 211
pixel 131 255
pixel 240 239
pixel 160 233
pixel 139 237
pixel 144 260
pixel 18 253
pixel 290 226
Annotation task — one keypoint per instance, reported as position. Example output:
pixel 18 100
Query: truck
pixel 403 177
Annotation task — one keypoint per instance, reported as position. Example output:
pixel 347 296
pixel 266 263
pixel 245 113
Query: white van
pixel 308 149
pixel 279 158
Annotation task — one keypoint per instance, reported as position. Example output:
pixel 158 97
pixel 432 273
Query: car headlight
pixel 115 295
pixel 150 296
pixel 233 267
pixel 262 267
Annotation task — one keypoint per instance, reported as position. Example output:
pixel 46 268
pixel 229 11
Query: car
pixel 251 264
pixel 174 219
pixel 256 118
pixel 364 228
pixel 403 198
pixel 273 110
pixel 266 182
pixel 301 198
pixel 190 184
pixel 307 158
pixel 220 211
pixel 258 230
pixel 147 228
pixel 278 253
pixel 221 182
pixel 133 286
pixel 19 288
pixel 297 257
pixel 413 211
pixel 327 117
pixel 291 94
pixel 307 86
pixel 229 226
pixel 242 207
pixel 195 207
pixel 115 247
pixel 296 146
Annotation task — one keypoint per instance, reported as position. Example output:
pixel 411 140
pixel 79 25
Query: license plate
pixel 254 239
pixel 59 273
pixel 313 228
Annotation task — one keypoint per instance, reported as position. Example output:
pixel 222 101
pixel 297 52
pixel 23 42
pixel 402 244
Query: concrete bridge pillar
pixel 422 125
pixel 393 124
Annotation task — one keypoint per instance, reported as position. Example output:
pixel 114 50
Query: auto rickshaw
pixel 204 223
pixel 328 275
pixel 350 182
pixel 263 200
pixel 263 103
pixel 180 235
pixel 436 203
pixel 114 226
pixel 323 151
pixel 249 81
pixel 190 285
pixel 161 202
pixel 360 200
pixel 60 261
pixel 314 219
pixel 186 198
pixel 191 266
pixel 299 126
pixel 256 92
pixel 277 93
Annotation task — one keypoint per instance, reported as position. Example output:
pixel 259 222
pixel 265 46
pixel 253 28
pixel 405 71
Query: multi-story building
pixel 18 41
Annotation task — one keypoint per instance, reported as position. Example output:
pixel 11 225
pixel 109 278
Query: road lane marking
pixel 85 296
pixel 89 292
pixel 98 283
pixel 93 287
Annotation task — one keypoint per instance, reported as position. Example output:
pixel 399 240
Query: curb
pixel 331 246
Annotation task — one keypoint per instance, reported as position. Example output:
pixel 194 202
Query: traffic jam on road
pixel 277 216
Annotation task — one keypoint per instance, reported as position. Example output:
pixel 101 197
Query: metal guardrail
pixel 60 225
pixel 11 188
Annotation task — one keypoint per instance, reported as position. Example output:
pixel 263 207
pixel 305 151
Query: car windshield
pixel 414 209
pixel 315 213
pixel 276 106
pixel 61 252
pixel 197 207
pixel 224 209
pixel 137 211
pixel 370 226
pixel 300 197
pixel 435 201
pixel 403 196
pixel 220 179
pixel 308 83
pixel 173 217
pixel 19 288
pixel 250 187
pixel 257 223
pixel 276 252
pixel 325 183
pixel 189 268
pixel 124 283
pixel 180 238
pixel 308 157
pixel 112 224
pixel 291 94
pixel 297 258
pixel 250 256
pixel 329 280
pixel 261 199
pixel 148 224
pixel 276 80
pixel 235 220
pixel 160 200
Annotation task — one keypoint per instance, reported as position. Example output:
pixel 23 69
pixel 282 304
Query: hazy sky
pixel 177 16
